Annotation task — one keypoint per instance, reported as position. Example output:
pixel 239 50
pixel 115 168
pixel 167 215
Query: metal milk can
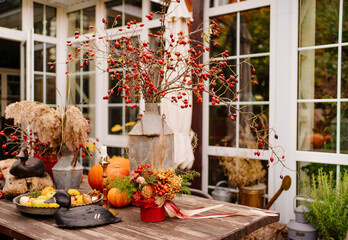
pixel 221 194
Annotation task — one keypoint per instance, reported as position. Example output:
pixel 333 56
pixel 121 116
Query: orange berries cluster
pixel 161 189
pixel 141 167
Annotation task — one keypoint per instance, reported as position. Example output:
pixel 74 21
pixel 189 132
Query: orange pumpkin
pixel 117 168
pixel 118 199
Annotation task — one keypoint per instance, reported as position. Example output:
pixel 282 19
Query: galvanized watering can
pixel 221 194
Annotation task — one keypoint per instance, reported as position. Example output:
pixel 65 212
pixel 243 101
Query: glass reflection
pixel 344 127
pixel 222 130
pixel 133 10
pixel 88 18
pixel 50 57
pixel 224 88
pixel 88 89
pixel 38 56
pixel 345 22
pixel 259 118
pixel 216 171
pixel 116 96
pixel 318 74
pixel 38 18
pixel 38 88
pixel 305 171
pixel 89 114
pixel 51 24
pixel 74 22
pixel 11 14
pixel 254 31
pixel 316 127
pixel 131 118
pixel 252 92
pixel 114 9
pixel 344 73
pixel 228 34
pixel 318 22
pixel 50 89
pixel 115 120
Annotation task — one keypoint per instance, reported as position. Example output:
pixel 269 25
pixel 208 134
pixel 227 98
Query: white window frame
pixel 283 92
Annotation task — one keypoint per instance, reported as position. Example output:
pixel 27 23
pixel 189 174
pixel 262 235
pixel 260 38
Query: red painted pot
pixel 152 214
pixel 49 162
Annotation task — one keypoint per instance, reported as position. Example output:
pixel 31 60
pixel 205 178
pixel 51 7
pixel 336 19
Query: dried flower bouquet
pixel 46 130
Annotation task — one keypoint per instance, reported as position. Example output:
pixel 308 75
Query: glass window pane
pixel 344 127
pixel 133 10
pixel 156 8
pixel 89 89
pixel 74 89
pixel 50 90
pixel 115 151
pixel 224 88
pixel 131 118
pixel 13 87
pixel 222 130
pixel 115 120
pixel 38 88
pixel 216 171
pixel 116 96
pixel 50 57
pixel 228 35
pixel 316 127
pixel 259 115
pixel 51 21
pixel 11 14
pixel 255 31
pixel 318 22
pixel 113 9
pixel 317 74
pixel 306 170
pixel 74 23
pixel 89 114
pixel 88 18
pixel 344 73
pixel 38 56
pixel 252 92
pixel 38 18
pixel 345 22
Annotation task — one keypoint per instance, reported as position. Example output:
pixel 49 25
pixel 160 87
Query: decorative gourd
pixel 118 167
pixel 118 199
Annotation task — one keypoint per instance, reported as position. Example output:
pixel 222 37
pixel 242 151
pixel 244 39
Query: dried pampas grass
pixel 52 126
pixel 75 129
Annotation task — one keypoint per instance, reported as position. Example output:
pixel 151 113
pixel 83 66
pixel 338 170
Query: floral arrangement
pixel 46 130
pixel 150 187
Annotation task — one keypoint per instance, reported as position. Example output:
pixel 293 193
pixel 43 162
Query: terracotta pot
pixel 49 162
pixel 152 214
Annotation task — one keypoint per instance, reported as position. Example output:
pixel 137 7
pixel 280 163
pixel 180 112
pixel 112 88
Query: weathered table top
pixel 23 226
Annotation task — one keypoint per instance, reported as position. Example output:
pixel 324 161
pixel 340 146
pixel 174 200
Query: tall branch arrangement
pixel 173 67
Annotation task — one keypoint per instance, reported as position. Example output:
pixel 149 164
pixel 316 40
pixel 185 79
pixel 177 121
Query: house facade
pixel 298 48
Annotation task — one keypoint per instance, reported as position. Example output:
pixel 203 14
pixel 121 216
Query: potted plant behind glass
pixel 61 131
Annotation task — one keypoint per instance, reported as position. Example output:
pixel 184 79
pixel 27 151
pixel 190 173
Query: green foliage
pixel 329 211
pixel 186 179
pixel 34 194
pixel 123 185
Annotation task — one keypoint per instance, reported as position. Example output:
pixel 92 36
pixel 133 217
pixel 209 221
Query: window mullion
pixel 238 73
pixel 339 64
pixel 44 72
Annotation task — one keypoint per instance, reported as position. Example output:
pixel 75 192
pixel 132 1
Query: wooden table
pixel 23 226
